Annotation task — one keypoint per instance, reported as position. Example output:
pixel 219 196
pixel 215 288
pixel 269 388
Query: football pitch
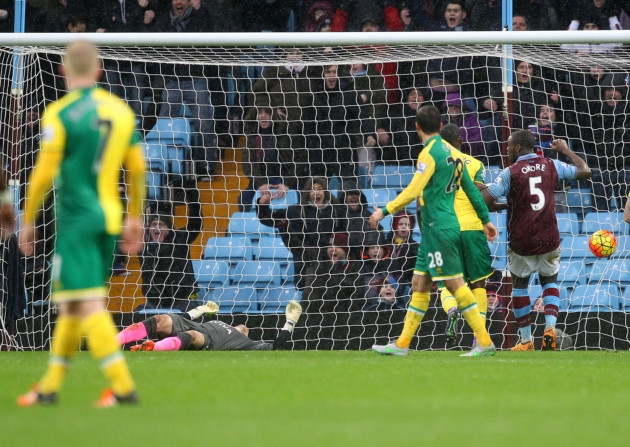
pixel 330 399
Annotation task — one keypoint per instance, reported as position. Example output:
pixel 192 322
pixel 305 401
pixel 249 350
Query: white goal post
pixel 248 266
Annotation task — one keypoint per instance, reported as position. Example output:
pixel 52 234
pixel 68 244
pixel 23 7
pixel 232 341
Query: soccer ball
pixel 602 243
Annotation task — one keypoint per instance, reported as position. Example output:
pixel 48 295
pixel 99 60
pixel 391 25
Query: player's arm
pixel 292 313
pixel 133 230
pixel 493 192
pixel 41 180
pixel 424 172
pixel 583 171
pixel 626 210
pixel 475 197
pixel 479 205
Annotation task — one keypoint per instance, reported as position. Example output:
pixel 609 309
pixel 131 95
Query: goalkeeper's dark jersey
pixel 219 336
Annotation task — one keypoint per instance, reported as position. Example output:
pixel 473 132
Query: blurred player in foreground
pixel 87 137
pixel 177 332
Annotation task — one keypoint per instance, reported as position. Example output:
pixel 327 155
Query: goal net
pixel 265 159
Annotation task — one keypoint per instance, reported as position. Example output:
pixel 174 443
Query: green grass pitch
pixel 328 399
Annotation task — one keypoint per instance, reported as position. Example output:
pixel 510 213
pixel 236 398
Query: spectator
pixel 269 161
pixel 336 129
pixel 541 14
pixel 485 15
pixel 304 227
pixel 352 217
pixel 454 73
pixel 334 285
pixel 124 78
pixel 268 16
pixel 600 12
pixel 458 112
pixel 402 125
pixel 188 84
pixel 520 22
pixel 548 128
pixel 318 12
pixel 530 89
pixel 404 248
pixel 168 279
pixel 376 257
pixel 383 294
pixel 287 90
pixel 352 15
pixel 589 24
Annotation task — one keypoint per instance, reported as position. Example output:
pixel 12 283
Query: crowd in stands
pixel 320 128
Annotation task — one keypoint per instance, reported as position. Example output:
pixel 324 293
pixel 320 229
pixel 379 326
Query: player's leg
pixel 189 340
pixel 521 269
pixel 453 315
pixel 65 342
pixel 466 302
pixel 477 267
pixel 548 272
pixel 97 325
pixel 420 297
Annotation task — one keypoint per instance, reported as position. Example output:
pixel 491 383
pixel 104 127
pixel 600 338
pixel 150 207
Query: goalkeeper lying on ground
pixel 179 332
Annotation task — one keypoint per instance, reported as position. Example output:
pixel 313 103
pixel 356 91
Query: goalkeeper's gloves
pixel 293 312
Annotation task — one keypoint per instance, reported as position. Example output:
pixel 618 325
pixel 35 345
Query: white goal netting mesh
pixel 238 138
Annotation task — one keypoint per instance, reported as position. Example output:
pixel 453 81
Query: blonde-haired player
pixel 87 136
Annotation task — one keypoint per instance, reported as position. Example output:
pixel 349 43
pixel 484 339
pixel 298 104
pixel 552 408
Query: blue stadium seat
pixel 170 131
pixel 595 298
pixel 234 299
pixel 272 248
pixel 275 300
pixel 611 270
pixel 292 197
pixel 568 223
pixel 256 274
pixel 576 248
pixel 498 248
pixel 492 172
pixel 210 274
pixel 580 201
pixel 233 248
pixel 379 197
pixel 392 176
pixel 572 274
pixel 603 220
pixel 248 223
pixel 625 300
pixel 386 223
pixel 156 182
pixel 417 234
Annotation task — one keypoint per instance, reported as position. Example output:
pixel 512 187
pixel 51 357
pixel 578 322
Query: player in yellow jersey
pixel 87 136
pixel 475 251
pixel 438 177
